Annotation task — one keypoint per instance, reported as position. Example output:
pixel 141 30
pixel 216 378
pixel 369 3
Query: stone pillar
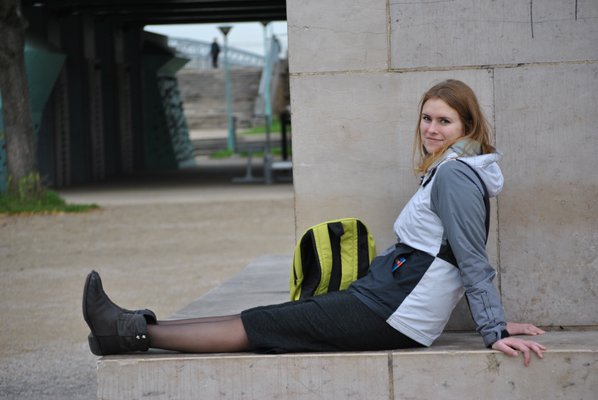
pixel 358 69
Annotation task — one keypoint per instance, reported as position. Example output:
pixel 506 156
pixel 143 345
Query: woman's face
pixel 439 125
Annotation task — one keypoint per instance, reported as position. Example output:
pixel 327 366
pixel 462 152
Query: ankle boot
pixel 114 330
pixel 149 315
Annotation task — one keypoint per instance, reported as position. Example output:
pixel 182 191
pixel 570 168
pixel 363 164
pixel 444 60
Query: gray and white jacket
pixel 446 214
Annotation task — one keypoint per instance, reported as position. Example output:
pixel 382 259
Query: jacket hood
pixel 486 165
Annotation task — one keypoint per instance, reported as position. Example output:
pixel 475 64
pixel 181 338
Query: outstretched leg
pixel 197 320
pixel 212 335
pixel 116 330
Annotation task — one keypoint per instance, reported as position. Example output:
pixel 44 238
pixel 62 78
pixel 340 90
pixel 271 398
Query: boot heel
pixel 94 345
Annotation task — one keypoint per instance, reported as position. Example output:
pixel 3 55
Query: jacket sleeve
pixel 457 199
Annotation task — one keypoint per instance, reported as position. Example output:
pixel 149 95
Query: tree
pixel 18 126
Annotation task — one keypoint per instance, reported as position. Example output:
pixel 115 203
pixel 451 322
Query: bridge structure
pixel 106 103
pixel 198 54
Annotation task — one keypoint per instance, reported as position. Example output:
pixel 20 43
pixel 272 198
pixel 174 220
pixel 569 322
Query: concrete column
pixel 357 71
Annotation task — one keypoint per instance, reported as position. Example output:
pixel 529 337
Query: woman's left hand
pixel 516 328
pixel 512 346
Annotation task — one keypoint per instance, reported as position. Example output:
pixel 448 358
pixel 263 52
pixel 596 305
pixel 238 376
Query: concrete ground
pixel 159 241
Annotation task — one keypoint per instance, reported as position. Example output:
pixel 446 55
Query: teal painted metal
pixel 171 67
pixel 268 66
pixel 43 64
pixel 271 52
pixel 168 145
pixel 230 138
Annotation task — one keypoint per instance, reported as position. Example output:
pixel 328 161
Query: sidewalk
pixel 159 241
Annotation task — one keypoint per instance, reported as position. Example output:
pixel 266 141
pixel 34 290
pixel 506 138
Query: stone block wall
pixel 358 69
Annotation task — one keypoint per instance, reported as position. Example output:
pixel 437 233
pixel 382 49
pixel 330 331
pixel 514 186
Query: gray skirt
pixel 336 321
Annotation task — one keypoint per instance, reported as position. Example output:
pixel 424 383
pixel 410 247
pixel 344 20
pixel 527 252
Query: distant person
pixel 407 296
pixel 214 52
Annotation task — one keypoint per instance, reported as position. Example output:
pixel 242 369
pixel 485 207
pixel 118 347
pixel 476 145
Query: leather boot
pixel 149 315
pixel 114 330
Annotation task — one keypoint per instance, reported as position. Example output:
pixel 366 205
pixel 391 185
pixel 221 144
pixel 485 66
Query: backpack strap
pixel 330 256
pixel 335 230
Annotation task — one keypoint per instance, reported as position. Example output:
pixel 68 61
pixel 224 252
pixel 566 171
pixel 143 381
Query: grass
pixel 45 203
pixel 257 130
pixel 261 129
pixel 222 154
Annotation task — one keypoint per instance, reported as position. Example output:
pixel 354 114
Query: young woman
pixel 407 297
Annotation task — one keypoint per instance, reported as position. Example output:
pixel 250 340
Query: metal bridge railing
pixel 198 51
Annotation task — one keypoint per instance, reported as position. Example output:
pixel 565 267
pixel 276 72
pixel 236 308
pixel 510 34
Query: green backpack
pixel 330 256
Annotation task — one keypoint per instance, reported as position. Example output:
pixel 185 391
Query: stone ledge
pixel 456 367
pixel 263 281
pixel 448 370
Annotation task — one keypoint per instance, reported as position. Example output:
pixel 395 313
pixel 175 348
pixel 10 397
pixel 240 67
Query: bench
pixel 457 366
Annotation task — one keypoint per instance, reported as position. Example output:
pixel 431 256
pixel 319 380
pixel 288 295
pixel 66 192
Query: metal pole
pixel 267 107
pixel 267 94
pixel 229 106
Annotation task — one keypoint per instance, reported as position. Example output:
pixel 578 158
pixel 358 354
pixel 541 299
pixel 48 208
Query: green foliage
pixel 222 154
pixel 29 196
pixel 261 129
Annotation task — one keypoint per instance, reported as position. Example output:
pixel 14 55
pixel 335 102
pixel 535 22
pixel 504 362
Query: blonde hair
pixel 462 99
